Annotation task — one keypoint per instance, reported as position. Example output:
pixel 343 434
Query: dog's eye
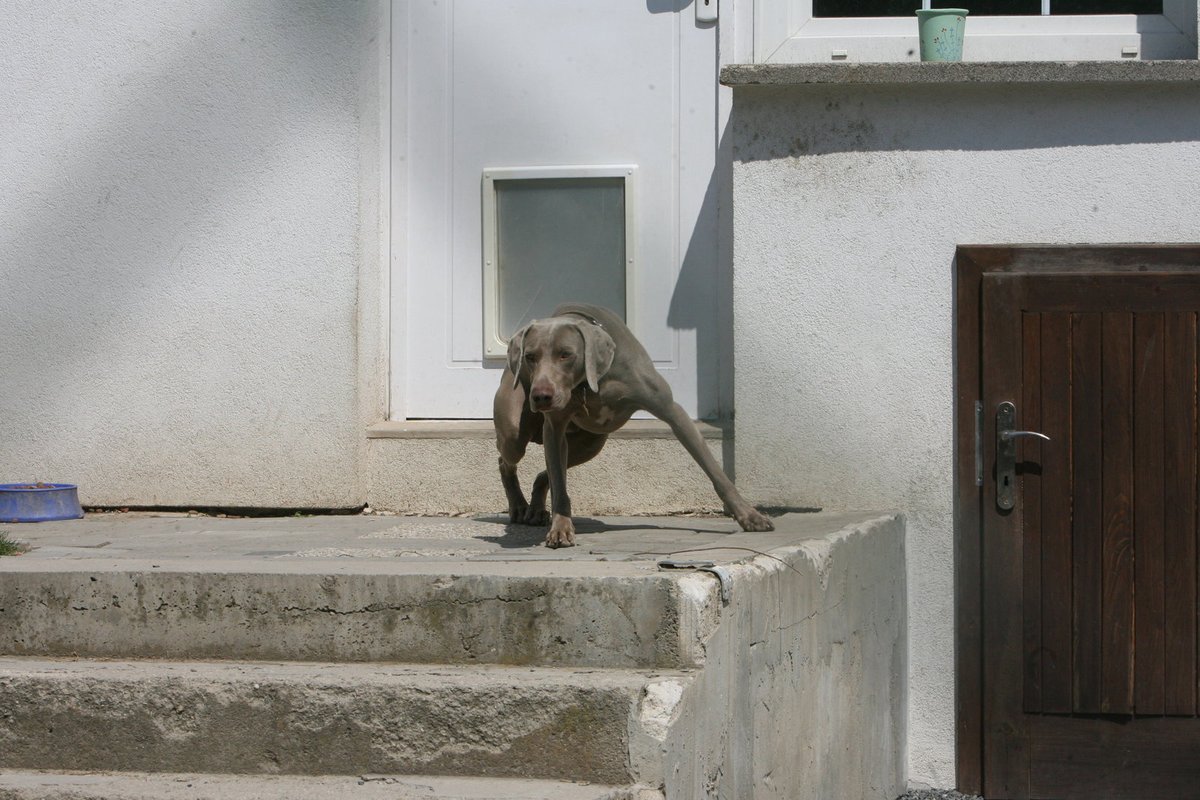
pixel 530 357
pixel 564 355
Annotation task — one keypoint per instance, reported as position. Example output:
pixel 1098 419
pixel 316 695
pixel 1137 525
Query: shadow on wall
pixel 857 119
pixel 703 283
pixel 140 148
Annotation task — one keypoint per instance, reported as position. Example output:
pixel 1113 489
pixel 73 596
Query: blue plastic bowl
pixel 39 502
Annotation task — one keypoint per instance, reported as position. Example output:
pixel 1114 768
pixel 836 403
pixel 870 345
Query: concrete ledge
pixel 1004 72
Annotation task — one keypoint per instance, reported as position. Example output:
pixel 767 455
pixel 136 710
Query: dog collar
pixel 588 318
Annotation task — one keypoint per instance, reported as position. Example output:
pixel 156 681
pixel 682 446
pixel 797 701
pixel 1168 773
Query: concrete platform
pixel 406 545
pixel 368 588
pixel 344 645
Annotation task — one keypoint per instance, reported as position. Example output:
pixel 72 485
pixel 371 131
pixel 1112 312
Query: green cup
pixel 941 32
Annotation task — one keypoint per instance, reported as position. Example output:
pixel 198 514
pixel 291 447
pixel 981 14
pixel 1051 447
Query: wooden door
pixel 1088 663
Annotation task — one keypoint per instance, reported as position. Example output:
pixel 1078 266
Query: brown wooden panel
pixel 1070 749
pixel 1006 755
pixel 1148 432
pixel 1030 457
pixel 1087 501
pixel 1180 514
pixel 1164 291
pixel 1074 258
pixel 1086 759
pixel 1056 691
pixel 968 507
pixel 1116 633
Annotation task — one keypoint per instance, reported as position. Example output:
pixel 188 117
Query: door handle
pixel 1006 454
pixel 1006 435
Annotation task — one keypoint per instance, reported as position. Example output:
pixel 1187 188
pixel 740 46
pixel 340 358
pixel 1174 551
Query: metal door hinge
pixel 706 10
pixel 979 443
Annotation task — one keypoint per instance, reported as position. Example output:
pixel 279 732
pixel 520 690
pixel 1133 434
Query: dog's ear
pixel 516 353
pixel 598 353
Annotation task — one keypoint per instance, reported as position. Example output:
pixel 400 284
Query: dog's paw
pixel 562 532
pixel 536 516
pixel 517 514
pixel 751 519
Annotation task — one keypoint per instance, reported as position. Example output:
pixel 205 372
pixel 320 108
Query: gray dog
pixel 571 380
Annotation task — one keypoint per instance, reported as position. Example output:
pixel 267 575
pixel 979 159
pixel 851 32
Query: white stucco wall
pixel 848 204
pixel 180 251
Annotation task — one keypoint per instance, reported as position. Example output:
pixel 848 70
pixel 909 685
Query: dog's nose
pixel 542 397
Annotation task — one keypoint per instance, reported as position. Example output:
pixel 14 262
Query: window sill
pixel 958 72
pixel 482 429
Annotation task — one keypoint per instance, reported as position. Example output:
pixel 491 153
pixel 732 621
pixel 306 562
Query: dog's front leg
pixel 512 436
pixel 554 440
pixel 518 508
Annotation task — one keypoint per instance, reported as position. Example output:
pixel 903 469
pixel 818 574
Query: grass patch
pixel 9 547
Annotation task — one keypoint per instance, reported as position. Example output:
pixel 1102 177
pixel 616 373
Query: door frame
pixel 384 323
pixel 971 263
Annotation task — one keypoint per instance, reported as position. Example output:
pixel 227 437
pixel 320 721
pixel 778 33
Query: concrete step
pixel 602 726
pixel 41 785
pixel 277 590
pixel 647 620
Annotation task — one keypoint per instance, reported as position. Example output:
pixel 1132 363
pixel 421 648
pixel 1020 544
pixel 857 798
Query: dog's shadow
pixel 518 535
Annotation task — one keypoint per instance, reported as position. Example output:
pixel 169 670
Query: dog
pixel 571 380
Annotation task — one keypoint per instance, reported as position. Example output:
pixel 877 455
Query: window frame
pixel 785 31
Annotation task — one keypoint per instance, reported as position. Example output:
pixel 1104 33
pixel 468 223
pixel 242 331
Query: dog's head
pixel 558 354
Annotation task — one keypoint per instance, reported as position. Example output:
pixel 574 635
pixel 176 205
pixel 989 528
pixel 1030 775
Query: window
pixel 997 30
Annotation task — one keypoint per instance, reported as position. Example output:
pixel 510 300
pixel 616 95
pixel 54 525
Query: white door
pixel 588 132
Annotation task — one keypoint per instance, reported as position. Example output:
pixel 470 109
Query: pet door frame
pixel 495 345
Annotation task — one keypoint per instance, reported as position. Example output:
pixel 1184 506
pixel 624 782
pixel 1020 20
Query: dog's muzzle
pixel 541 398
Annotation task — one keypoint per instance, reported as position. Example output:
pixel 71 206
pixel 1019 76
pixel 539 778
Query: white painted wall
pixel 180 249
pixel 191 310
pixel 848 204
